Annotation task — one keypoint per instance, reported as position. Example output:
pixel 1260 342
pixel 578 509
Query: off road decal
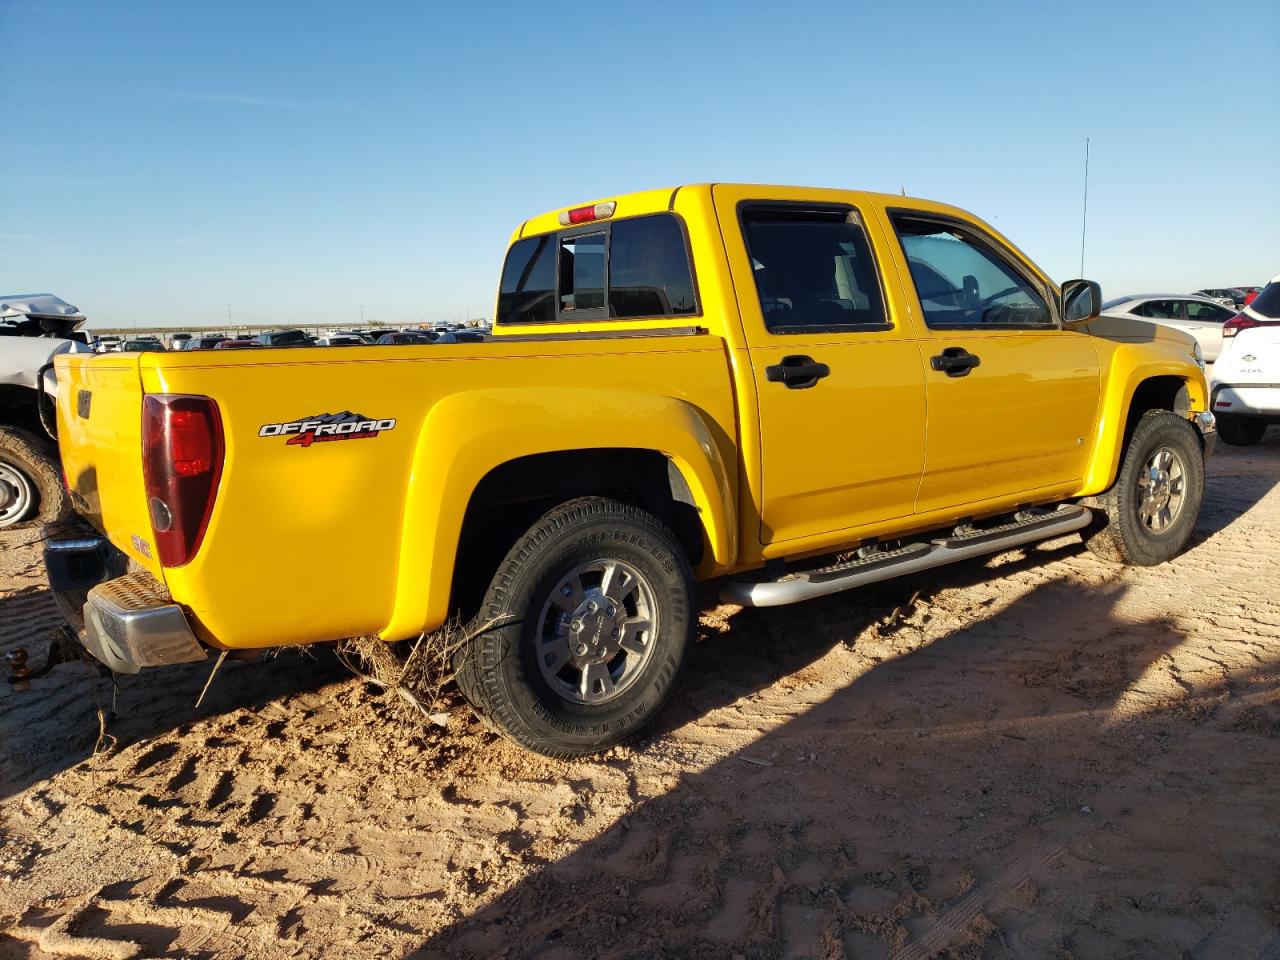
pixel 326 426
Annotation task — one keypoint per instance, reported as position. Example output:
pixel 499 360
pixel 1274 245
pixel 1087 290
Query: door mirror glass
pixel 1081 300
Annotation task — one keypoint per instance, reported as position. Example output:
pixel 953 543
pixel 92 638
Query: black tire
pixel 33 492
pixel 1127 537
pixel 499 671
pixel 1240 431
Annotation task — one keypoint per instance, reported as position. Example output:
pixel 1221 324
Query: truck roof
pixel 664 198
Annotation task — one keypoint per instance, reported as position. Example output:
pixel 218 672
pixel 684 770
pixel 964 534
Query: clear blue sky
pixel 300 159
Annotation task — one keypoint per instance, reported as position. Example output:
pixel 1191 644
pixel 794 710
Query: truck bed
pixel 332 536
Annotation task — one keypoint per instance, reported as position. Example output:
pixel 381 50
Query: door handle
pixel 797 372
pixel 955 361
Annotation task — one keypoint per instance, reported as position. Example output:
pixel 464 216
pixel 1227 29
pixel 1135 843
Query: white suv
pixel 1245 391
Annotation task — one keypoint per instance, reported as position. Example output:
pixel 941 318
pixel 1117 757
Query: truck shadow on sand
pixel 767 644
pixel 1039 782
pixel 54 724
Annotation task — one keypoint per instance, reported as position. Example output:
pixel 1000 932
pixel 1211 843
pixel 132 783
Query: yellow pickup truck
pixel 790 391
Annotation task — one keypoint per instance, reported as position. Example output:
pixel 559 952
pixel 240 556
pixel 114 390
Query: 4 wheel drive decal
pixel 326 426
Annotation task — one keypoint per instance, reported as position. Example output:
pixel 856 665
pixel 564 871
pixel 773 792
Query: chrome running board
pixel 1030 527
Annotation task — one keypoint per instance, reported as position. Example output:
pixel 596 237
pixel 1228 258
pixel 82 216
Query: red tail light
pixel 182 453
pixel 1241 321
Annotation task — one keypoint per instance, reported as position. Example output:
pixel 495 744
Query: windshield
pixel 1267 303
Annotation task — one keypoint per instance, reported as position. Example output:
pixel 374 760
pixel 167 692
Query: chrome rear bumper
pixel 131 623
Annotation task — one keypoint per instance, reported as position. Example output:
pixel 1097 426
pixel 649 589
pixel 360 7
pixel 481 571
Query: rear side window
pixel 649 269
pixel 813 269
pixel 1208 312
pixel 1159 310
pixel 527 293
pixel 963 282
pixel 633 268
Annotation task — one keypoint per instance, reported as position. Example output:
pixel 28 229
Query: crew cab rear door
pixel 838 377
pixel 1012 395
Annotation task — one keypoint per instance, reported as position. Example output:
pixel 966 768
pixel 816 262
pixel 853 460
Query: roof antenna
pixel 1084 217
pixel 903 188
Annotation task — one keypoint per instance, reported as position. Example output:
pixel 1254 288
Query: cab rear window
pixel 627 269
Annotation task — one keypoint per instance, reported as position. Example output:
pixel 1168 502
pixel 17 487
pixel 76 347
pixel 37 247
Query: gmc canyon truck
pixel 790 391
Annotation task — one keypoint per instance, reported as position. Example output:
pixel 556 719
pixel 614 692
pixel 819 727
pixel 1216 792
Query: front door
pixel 837 372
pixel 1012 396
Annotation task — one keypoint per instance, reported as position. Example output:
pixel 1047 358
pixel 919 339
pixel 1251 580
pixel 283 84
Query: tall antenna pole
pixel 1084 217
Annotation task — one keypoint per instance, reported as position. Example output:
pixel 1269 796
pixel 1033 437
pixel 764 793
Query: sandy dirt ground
pixel 1035 755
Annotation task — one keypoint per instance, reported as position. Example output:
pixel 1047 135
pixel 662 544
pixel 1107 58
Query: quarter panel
pixel 467 435
pixel 314 542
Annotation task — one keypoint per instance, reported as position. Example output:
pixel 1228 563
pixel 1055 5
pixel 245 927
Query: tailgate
pixel 100 438
pixel 1254 358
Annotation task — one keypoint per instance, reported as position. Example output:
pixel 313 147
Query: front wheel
pixel 1240 431
pixel 1153 506
pixel 583 631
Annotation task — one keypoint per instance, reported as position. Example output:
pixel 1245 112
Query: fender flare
pixel 1113 417
pixel 467 435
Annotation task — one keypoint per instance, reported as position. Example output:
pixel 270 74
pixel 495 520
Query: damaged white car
pixel 34 328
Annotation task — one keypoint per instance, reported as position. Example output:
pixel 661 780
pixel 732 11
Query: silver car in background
pixel 1198 316
pixel 1230 297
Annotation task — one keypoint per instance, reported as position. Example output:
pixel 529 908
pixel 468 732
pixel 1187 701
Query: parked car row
pixel 445 333
pixel 1199 316
pixel 1234 297
pixel 1207 317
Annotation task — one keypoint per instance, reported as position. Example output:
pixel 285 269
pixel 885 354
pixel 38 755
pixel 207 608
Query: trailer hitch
pixel 22 673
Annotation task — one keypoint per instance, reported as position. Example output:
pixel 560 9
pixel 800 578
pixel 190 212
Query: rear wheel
pixel 1153 506
pixel 30 481
pixel 583 631
pixel 1240 431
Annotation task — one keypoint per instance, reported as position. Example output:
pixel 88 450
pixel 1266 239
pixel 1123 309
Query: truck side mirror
pixel 1081 300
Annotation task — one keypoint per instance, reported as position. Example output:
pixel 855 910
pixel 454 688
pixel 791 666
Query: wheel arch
pixel 486 460
pixel 1164 386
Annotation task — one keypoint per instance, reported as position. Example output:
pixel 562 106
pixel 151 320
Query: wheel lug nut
pixel 582 649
